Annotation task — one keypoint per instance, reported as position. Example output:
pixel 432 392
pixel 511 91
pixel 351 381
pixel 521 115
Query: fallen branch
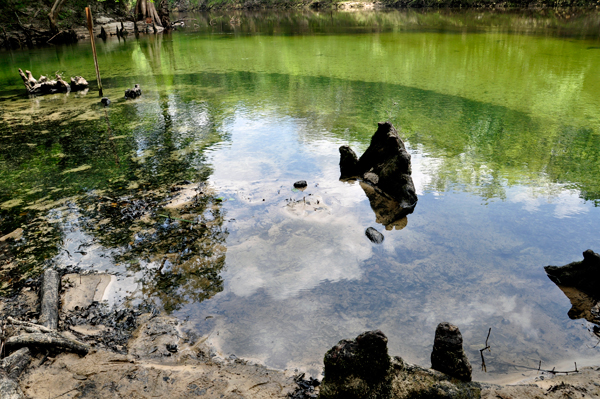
pixel 9 388
pixel 27 324
pixel 554 371
pixel 16 362
pixel 47 340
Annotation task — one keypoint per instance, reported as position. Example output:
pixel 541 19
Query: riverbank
pixel 25 24
pixel 144 355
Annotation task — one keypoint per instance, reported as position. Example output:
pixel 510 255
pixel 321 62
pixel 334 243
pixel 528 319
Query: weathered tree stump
pixel 45 86
pixel 133 93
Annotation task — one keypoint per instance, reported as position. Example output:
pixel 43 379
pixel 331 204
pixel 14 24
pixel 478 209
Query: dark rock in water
pixel 78 83
pixel 105 101
pixel 133 93
pixel 583 275
pixel 448 355
pixel 300 184
pixel 374 235
pixel 358 368
pixel 385 165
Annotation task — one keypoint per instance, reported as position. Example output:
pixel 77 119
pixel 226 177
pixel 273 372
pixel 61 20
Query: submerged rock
pixel 133 93
pixel 583 275
pixel 374 235
pixel 301 184
pixel 385 165
pixel 448 355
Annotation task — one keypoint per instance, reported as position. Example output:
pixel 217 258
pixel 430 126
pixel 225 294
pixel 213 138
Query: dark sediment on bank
pixel 147 354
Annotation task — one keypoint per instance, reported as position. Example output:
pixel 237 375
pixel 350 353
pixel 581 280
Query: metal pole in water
pixel 88 14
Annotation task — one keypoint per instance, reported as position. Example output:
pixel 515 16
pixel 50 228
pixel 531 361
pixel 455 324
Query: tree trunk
pixel 163 13
pixel 145 9
pixel 53 15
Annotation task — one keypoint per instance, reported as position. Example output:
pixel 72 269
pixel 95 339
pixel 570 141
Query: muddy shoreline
pixel 137 353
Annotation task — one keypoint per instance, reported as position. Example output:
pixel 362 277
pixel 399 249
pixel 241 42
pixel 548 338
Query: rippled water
pixel 187 193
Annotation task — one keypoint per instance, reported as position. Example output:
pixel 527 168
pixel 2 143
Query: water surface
pixel 187 193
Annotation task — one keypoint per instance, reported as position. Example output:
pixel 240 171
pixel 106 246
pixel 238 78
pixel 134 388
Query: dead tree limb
pixel 47 341
pixel 554 371
pixel 50 292
pixel 16 362
pixel 32 326
pixel 9 388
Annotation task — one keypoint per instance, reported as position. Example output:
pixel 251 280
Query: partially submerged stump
pixel 583 275
pixel 45 86
pixel 385 166
pixel 78 83
pixel 133 93
pixel 579 281
pixel 358 368
pixel 448 355
pixel 361 368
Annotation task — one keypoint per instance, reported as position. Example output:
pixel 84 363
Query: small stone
pixel 448 355
pixel 374 235
pixel 172 348
pixel 105 101
pixel 300 184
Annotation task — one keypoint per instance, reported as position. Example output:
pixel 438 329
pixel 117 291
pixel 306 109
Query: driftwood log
pixel 43 85
pixel 47 341
pixel 50 292
pixel 11 368
pixel 9 388
pixel 16 362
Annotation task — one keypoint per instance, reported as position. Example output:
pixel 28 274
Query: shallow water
pixel 186 193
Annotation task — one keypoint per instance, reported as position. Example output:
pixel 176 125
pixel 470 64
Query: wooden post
pixel 88 14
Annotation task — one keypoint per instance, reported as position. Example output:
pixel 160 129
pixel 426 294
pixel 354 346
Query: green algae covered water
pixel 186 194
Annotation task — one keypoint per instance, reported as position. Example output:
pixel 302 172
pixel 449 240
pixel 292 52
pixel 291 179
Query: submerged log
pixel 50 293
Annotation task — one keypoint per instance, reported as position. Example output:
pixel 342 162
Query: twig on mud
pixel 554 371
pixel 483 367
pixel 64 393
